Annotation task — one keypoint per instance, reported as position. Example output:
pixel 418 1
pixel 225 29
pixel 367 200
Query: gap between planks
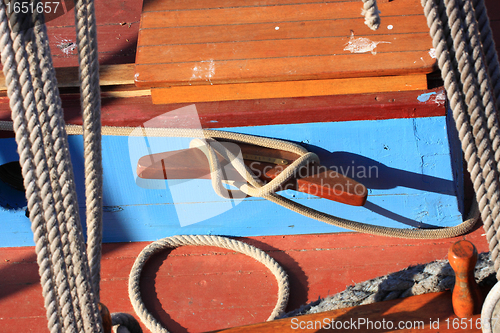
pixel 109 75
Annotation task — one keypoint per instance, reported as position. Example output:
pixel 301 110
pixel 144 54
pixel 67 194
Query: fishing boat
pixel 369 103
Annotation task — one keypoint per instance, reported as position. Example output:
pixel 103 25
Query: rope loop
pixel 201 240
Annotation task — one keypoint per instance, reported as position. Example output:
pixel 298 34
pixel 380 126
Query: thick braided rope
pixel 33 138
pixel 488 45
pixel 60 243
pixel 20 121
pixel 172 242
pixel 473 129
pixel 86 37
pixel 482 117
pixel 60 169
pixel 371 13
pixel 487 106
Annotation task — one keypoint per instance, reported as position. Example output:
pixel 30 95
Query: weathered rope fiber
pixel 470 70
pixel 371 14
pixel 175 241
pixel 461 81
pixel 90 92
pixel 61 255
pixel 421 279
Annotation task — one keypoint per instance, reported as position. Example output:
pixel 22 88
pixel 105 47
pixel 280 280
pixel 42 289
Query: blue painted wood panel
pixel 410 166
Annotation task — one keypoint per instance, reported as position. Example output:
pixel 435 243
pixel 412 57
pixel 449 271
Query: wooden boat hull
pixel 408 165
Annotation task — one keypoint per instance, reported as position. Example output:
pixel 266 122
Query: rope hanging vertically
pixel 86 39
pixel 44 157
pixel 470 71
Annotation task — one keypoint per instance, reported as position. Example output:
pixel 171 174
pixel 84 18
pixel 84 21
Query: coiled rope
pixel 200 240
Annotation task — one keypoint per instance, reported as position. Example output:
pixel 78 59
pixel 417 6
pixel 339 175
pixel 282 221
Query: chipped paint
pixel 439 98
pixel 362 45
pixel 204 70
pixel 390 27
pixel 432 53
pixel 67 46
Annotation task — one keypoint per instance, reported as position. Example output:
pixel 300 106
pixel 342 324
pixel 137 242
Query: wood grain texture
pixel 279 40
pixel 109 75
pixel 185 287
pixel 423 313
pixel 267 31
pixel 286 89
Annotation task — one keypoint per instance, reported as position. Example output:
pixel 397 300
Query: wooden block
pixel 245 91
pixel 109 75
pixel 424 313
pixel 197 43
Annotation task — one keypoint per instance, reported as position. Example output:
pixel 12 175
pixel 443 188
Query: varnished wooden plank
pixel 159 5
pixel 108 75
pixel 287 30
pixel 276 69
pixel 205 93
pixel 275 14
pixel 424 313
pixel 236 44
pixel 279 48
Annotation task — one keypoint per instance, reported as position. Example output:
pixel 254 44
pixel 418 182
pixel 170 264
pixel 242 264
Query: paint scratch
pixel 362 45
pixel 205 70
pixel 66 46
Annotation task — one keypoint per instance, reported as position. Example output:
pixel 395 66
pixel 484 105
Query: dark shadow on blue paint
pixel 375 175
pixel 396 217
pixel 77 160
pixel 457 158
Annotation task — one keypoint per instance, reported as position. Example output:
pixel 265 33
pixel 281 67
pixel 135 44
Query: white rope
pixel 175 241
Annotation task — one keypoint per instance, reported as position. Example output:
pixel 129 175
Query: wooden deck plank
pixel 288 89
pixel 154 5
pixel 275 14
pixel 277 48
pixel 277 41
pixel 108 75
pixel 185 287
pixel 287 30
pixel 272 69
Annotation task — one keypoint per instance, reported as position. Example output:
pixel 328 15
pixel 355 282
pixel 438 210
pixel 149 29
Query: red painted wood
pixel 116 44
pixel 186 288
pixel 107 12
pixel 135 111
